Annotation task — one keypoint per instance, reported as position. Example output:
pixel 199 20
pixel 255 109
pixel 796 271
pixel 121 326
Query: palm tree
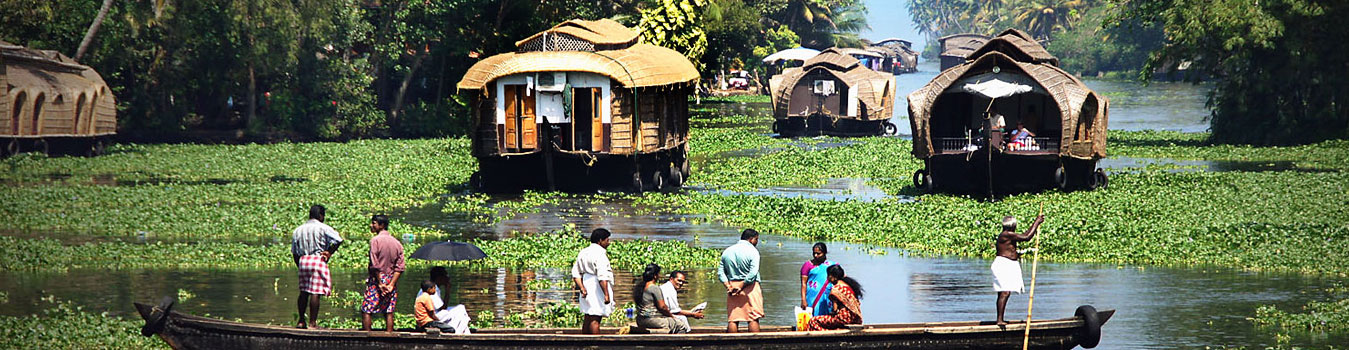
pixel 1042 17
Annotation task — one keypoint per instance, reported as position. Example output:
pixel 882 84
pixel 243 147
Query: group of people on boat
pixel 657 305
pixel 830 298
pixel 313 245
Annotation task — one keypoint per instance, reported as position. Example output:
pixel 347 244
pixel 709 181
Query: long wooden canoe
pixel 192 332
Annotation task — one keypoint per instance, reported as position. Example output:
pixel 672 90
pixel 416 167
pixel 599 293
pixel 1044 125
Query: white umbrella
pixel 997 85
pixel 800 54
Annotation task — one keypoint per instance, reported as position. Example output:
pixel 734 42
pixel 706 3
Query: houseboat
pixel 832 94
pixel 956 48
pixel 906 60
pixel 965 123
pixel 579 107
pixel 51 104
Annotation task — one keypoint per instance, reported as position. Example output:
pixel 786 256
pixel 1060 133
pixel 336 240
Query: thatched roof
pixel 599 32
pixel 1068 93
pixel 632 65
pixel 47 71
pixel 1017 44
pixel 961 45
pixel 859 52
pixel 874 89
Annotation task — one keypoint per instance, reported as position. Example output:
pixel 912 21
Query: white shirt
pixel 593 260
pixel 671 298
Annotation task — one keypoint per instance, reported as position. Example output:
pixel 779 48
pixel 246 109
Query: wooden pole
pixel 1034 262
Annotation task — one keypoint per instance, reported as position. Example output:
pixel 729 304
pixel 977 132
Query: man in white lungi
pixel 1006 266
pixel 594 278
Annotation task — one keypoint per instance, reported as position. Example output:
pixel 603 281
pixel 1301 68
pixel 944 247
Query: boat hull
pixel 976 173
pixel 818 124
pixel 190 332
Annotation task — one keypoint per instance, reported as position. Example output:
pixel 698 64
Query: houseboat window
pixel 16 111
pixel 37 112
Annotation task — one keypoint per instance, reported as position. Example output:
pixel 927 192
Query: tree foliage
pixel 676 24
pixel 1279 65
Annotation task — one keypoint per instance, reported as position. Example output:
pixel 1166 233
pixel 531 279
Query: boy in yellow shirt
pixel 425 310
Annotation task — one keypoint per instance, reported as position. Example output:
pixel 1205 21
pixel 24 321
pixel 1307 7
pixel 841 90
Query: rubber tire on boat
pixel 1102 180
pixel 96 148
pixel 676 177
pixel 159 318
pixel 476 183
pixel 920 178
pixel 1061 179
pixel 40 146
pixel 657 181
pixel 1090 333
pixel 637 182
pixel 891 129
pixel 12 148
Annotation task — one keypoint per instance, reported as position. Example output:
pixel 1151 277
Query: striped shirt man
pixel 313 237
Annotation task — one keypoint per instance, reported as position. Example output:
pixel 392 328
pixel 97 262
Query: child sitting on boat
pixel 424 310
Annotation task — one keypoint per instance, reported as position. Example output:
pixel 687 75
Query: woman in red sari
pixel 846 295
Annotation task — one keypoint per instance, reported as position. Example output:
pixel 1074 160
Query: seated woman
pixel 652 313
pixel 847 302
pixel 1021 138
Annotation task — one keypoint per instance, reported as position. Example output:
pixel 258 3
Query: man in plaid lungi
pixel 311 245
pixel 386 265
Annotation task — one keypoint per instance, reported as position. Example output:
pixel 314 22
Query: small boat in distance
pixel 192 332
pixel 833 94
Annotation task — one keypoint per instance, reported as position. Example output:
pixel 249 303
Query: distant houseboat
pixel 832 94
pixel 956 48
pixel 964 147
pixel 906 59
pixel 51 104
pixel 581 106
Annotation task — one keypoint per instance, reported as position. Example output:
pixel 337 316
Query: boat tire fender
pixel 1102 180
pixel 159 318
pixel 919 180
pixel 1090 333
pixel 657 181
pixel 1061 178
pixel 891 129
pixel 676 177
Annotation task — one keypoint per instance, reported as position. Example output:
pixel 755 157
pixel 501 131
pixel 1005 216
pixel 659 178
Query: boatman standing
pixel 311 245
pixel 595 279
pixel 738 270
pixel 1007 266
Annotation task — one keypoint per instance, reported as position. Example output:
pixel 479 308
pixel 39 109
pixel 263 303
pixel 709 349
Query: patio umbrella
pixel 799 54
pixel 448 250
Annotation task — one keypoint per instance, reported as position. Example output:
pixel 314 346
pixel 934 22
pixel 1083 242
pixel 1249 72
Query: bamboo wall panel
pixel 621 120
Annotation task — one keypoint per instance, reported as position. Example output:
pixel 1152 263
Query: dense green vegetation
pixel 1278 65
pixel 338 70
pixel 68 326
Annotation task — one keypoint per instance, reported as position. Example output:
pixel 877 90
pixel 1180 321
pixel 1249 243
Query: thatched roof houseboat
pixel 955 48
pixel 906 59
pixel 51 104
pixel 965 123
pixel 581 106
pixel 832 94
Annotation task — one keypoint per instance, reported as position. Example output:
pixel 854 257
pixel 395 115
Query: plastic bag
pixel 802 317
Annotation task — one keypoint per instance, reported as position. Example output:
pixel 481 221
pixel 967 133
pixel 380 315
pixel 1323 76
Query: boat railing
pixel 1039 144
pixel 955 144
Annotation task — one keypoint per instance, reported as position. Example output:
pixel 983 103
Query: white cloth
pixel 672 301
pixel 592 266
pixel 456 316
pixel 593 302
pixel 1007 275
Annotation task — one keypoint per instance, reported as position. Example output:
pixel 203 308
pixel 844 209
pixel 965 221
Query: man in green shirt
pixel 738 270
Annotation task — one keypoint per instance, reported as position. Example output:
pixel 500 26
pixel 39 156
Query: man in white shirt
pixel 456 316
pixel 594 278
pixel 669 290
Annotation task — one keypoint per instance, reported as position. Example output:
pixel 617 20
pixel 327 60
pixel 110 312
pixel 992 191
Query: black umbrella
pixel 446 250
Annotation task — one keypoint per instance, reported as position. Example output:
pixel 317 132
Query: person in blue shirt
pixel 738 270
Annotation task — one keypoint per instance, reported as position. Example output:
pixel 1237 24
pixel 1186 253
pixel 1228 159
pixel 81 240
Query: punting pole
pixel 1034 262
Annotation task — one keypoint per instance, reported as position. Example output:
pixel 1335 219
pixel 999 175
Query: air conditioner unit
pixel 824 87
pixel 551 81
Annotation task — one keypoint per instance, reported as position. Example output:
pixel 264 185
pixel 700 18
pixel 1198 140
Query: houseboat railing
pixel 962 144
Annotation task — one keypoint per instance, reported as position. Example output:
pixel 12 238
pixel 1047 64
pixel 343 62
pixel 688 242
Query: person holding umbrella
pixel 594 277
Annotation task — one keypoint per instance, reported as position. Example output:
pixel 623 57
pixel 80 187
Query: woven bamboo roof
pixel 47 71
pixel 875 89
pixel 598 32
pixel 961 45
pixel 1017 44
pixel 637 65
pixel 1068 93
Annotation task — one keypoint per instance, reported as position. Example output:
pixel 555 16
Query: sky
pixel 889 18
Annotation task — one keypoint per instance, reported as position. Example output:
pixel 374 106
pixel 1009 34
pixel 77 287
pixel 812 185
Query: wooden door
pixel 511 134
pixel 529 129
pixel 597 134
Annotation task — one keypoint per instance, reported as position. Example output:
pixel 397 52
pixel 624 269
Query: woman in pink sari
pixel 846 295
